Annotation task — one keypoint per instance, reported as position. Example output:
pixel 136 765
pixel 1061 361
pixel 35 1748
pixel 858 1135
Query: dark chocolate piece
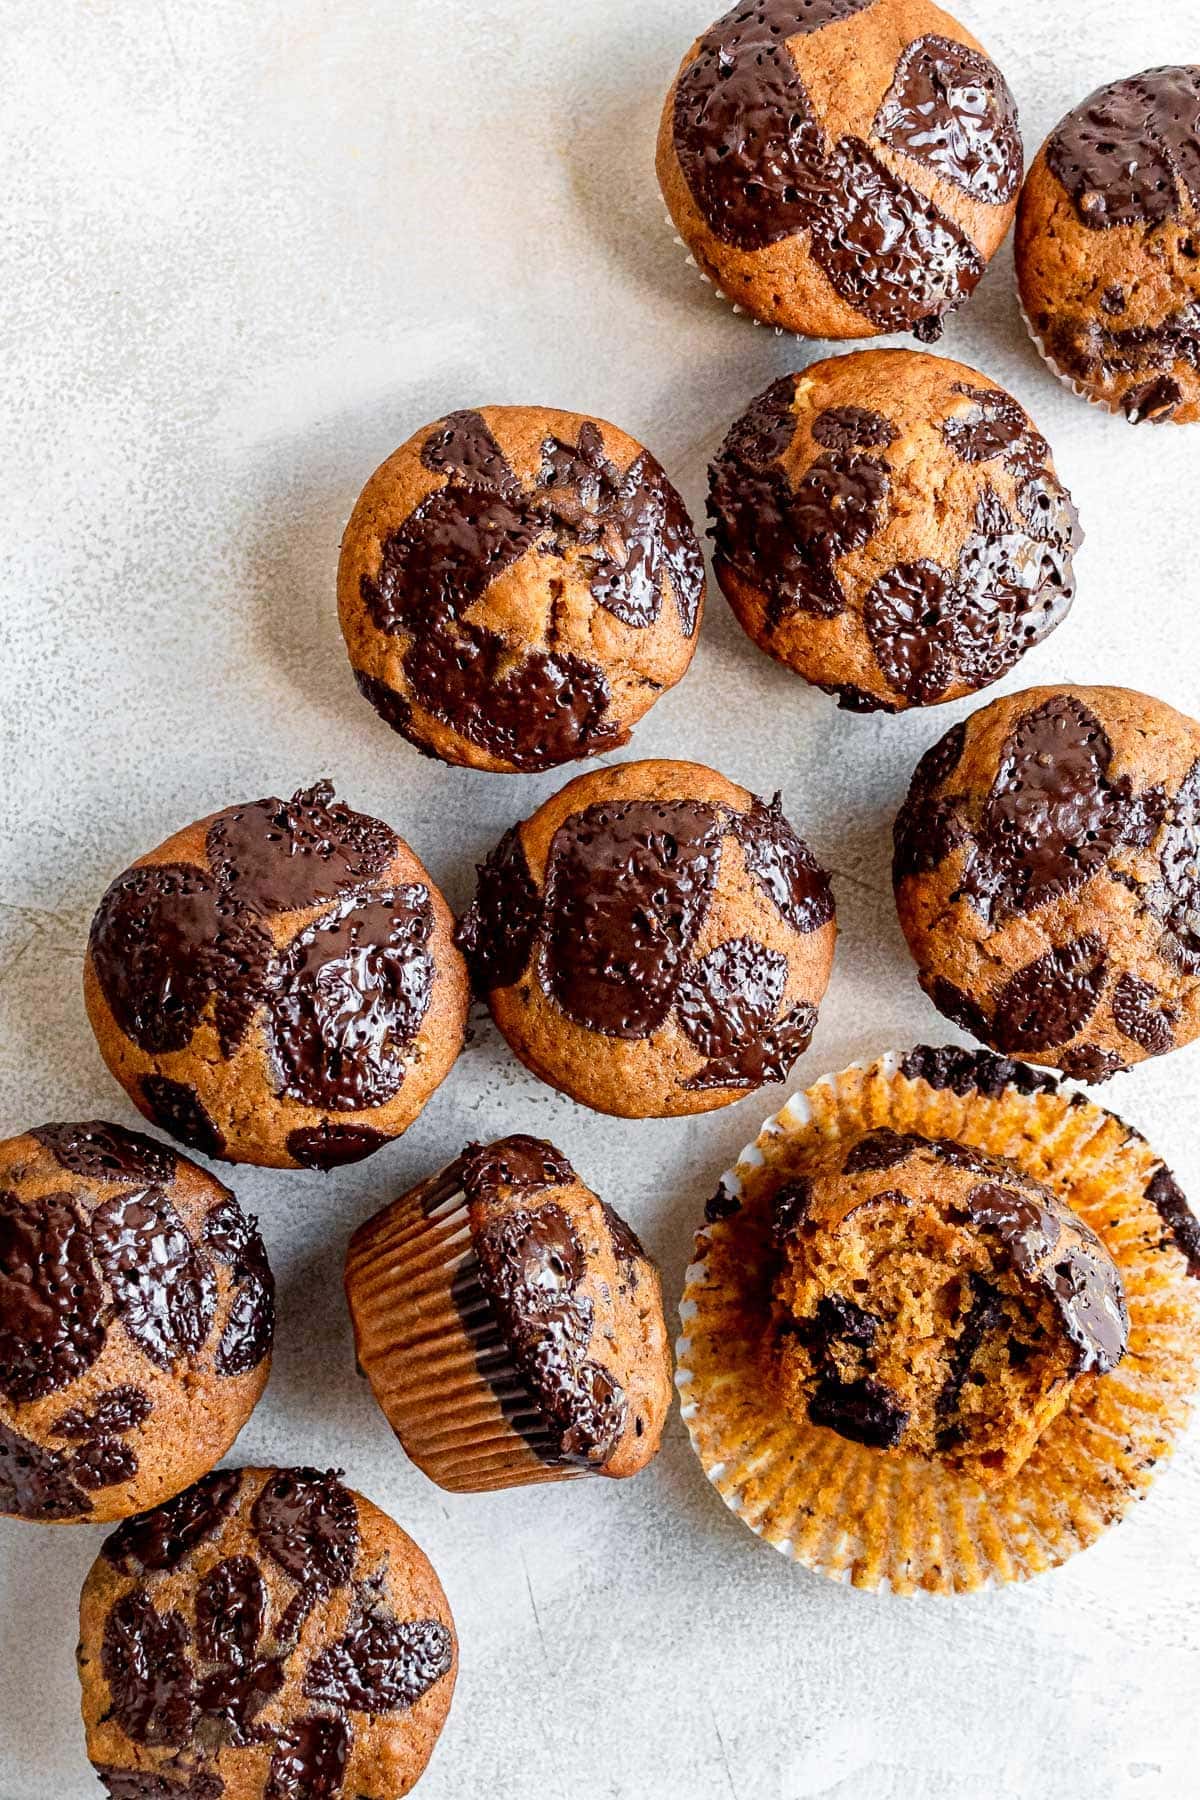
pixel 1044 1004
pixel 883 1149
pixel 1175 897
pixel 789 1208
pixel 727 1004
pixel 974 1072
pixel 147 1784
pixel 36 1483
pixel 522 1165
pixel 847 427
pixel 950 108
pixel 284 855
pixel 497 934
pixel 784 866
pixel 927 829
pixel 866 1411
pixel 250 1328
pixel 101 1152
pixel 310 1760
pixel 722 1205
pixel 178 1108
pixel 985 1315
pixel 382 1665
pixel 152 1689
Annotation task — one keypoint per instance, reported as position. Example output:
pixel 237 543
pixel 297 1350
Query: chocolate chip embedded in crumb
pixel 162 1540
pixel 865 1411
pixel 382 1665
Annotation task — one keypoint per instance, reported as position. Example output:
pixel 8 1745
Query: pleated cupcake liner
pixel 744 312
pixel 428 1343
pixel 886 1521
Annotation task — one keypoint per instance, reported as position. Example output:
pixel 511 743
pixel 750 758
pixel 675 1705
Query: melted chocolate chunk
pixel 165 942
pixel 392 708
pixel 310 1760
pixel 231 1609
pixel 178 1108
pixel 789 1208
pixel 1081 1278
pixel 351 994
pixel 848 427
pixel 382 1665
pixel 727 1004
pixel 308 1523
pixel 496 936
pixel 152 1690
pixel 627 1245
pixel 162 1540
pixel 759 167
pixel 1095 354
pixel 1157 400
pixel 866 1411
pixel 530 1266
pixel 950 108
pixel 784 866
pixel 974 1072
pixel 1175 897
pixel 1169 1201
pixel 997 427
pixel 51 1300
pixel 1130 154
pixel 985 1315
pixel 1087 1062
pixel 927 829
pixel 144 1784
pixel 163 1287
pixel 329 1146
pixel 628 885
pixel 722 1205
pixel 519 1164
pixel 115 1411
pixel 837 1321
pixel 1044 1004
pixel 284 855
pixel 463 449
pixel 883 1149
pixel 956 1006
pixel 101 1152
pixel 36 1483
pixel 1052 818
pixel 250 1329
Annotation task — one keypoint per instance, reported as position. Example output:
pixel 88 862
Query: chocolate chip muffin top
pixel 1046 877
pixel 137 1311
pixel 1108 245
pixel 267 1635
pixel 278 983
pixel 841 168
pixel 654 940
pixel 517 586
pixel 890 525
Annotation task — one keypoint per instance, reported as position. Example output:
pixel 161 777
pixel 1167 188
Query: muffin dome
pixel 1108 246
pixel 1046 875
pixel 517 586
pixel 267 1635
pixel 137 1311
pixel 511 1324
pixel 654 940
pixel 890 525
pixel 841 168
pixel 278 983
pixel 937 1301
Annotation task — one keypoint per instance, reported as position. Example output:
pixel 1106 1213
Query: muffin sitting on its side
pixel 1108 246
pixel 890 525
pixel 510 1323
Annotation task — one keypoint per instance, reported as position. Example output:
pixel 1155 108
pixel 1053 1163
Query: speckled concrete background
pixel 250 246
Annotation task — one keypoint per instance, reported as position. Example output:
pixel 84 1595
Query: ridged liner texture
pixel 425 1333
pixel 886 1521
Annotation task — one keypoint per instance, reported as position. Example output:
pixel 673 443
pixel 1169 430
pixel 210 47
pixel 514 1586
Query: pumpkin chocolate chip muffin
pixel 510 1323
pixel 841 168
pixel 890 525
pixel 518 586
pixel 654 940
pixel 137 1311
pixel 1046 875
pixel 1108 246
pixel 278 983
pixel 267 1635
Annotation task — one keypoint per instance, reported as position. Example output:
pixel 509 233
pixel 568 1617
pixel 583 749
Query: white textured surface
pixel 251 245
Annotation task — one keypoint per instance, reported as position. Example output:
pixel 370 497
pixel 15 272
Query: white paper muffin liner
pixel 886 1521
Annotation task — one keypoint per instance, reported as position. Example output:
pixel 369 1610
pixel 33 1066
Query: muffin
pixel 1047 875
pixel 511 1324
pixel 1108 246
pixel 841 168
pixel 935 1301
pixel 889 524
pixel 278 983
pixel 654 940
pixel 137 1310
pixel 942 1325
pixel 267 1635
pixel 518 586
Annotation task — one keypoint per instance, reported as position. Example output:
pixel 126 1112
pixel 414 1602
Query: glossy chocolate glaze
pixel 950 108
pixel 178 1108
pixel 1052 998
pixel 310 1759
pixel 329 1146
pixel 515 1165
pixel 542 707
pixel 1140 1014
pixel 783 865
pixel 307 1522
pixel 160 1541
pixel 846 427
pixel 51 1297
pixel 497 933
pixel 164 1288
pixel 760 167
pixel 381 1665
pixel 927 827
pixel 1130 154
pixel 151 1683
pixel 284 855
pixel 727 1004
pixel 974 1072
pixel 349 998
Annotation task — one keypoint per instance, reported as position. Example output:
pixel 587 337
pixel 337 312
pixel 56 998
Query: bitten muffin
pixel 268 1635
pixel 654 940
pixel 936 1301
pixel 841 168
pixel 1047 875
pixel 517 586
pixel 1108 246
pixel 137 1311
pixel 889 524
pixel 511 1324
pixel 278 983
